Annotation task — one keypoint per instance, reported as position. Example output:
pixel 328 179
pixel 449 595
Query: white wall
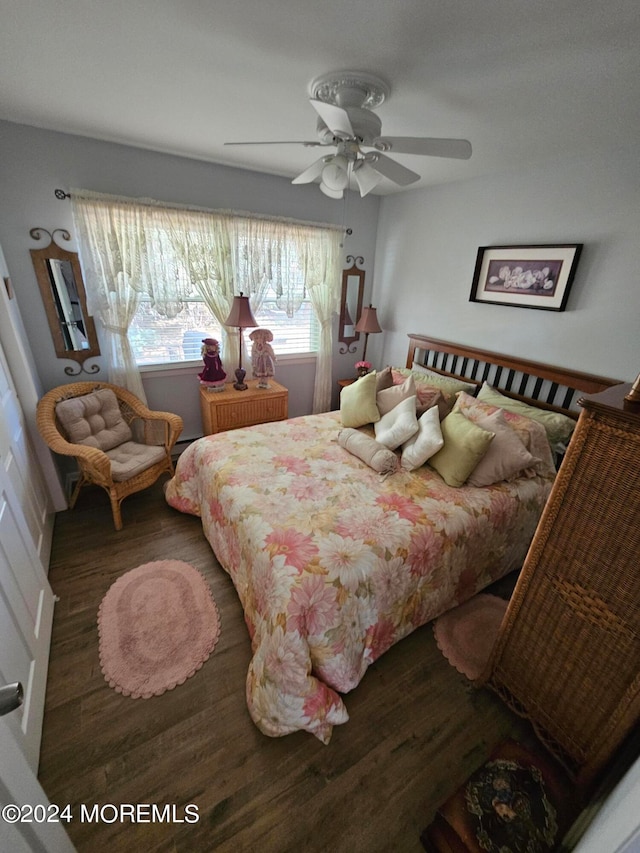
pixel 34 162
pixel 426 252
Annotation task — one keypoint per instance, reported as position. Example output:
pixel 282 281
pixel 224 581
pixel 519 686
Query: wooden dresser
pixel 568 652
pixel 231 409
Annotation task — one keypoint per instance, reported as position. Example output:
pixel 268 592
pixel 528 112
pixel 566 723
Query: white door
pixel 26 599
pixel 42 830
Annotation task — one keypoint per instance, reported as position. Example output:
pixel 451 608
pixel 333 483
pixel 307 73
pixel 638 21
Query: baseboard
pixel 70 483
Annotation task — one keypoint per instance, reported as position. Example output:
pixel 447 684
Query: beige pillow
pixel 506 457
pixel 94 420
pixel 390 397
pixel 532 434
pixel 464 446
pixel 558 427
pixel 371 452
pixel 384 379
pixel 398 425
pixel 358 402
pixel 427 441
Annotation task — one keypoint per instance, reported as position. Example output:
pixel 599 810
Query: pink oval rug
pixel 466 634
pixel 157 624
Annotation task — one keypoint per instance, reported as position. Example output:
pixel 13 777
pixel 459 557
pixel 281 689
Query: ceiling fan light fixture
pixel 366 177
pixel 335 175
pixel 331 193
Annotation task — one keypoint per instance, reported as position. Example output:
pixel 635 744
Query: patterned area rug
pixel 520 801
pixel 466 634
pixel 158 624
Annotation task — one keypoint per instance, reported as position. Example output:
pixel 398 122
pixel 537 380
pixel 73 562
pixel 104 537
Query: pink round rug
pixel 158 624
pixel 466 634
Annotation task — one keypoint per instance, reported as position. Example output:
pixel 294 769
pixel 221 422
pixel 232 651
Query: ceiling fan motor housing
pixel 366 126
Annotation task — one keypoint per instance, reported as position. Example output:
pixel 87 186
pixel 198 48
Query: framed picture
pixel 525 276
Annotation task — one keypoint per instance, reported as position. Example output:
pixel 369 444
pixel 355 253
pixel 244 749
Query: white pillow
pixel 427 441
pixel 398 425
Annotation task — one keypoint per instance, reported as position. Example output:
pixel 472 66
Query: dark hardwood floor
pixel 417 728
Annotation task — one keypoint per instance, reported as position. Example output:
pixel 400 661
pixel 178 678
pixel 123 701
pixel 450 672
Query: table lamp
pixel 368 323
pixel 241 318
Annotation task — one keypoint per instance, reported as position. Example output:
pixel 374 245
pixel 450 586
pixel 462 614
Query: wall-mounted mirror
pixel 351 304
pixel 62 288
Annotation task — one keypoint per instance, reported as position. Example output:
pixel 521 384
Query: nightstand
pixel 231 409
pixel 344 382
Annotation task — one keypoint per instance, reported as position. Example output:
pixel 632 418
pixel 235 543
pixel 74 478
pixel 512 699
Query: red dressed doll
pixel 213 375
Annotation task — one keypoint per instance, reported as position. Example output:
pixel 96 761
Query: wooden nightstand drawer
pixel 231 409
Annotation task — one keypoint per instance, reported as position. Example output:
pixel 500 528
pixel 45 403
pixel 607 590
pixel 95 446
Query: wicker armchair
pixel 118 443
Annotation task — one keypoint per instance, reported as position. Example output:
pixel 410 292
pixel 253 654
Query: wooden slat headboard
pixel 555 388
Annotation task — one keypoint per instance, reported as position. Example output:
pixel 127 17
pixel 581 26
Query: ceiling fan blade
pixel 336 119
pixel 279 142
pixel 457 149
pixel 394 171
pixel 366 177
pixel 311 173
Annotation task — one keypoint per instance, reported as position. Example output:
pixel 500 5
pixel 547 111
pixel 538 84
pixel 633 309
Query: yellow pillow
pixel 464 446
pixel 358 402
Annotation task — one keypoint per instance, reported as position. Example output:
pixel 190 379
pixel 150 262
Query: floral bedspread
pixel 333 564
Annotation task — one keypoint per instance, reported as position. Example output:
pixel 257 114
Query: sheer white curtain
pixel 323 261
pixel 129 248
pixel 114 259
pixel 203 243
pixel 296 260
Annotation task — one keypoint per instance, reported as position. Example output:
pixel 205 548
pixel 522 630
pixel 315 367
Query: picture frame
pixel 538 276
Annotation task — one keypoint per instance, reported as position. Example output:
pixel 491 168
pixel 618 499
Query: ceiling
pixel 523 80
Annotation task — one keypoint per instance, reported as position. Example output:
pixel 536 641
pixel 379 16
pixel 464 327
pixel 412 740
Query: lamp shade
pixel 241 315
pixel 368 322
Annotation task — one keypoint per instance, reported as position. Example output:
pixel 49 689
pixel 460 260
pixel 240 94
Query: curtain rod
pixel 61 195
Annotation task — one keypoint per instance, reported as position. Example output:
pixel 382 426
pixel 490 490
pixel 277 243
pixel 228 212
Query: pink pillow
pixel 428 396
pixel 506 458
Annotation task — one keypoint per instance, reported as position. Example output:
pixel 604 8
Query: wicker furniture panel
pixel 568 653
pixel 231 409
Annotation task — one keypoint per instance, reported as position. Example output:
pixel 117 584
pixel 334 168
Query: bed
pixel 334 562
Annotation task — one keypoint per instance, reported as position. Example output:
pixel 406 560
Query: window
pixel 172 263
pixel 160 340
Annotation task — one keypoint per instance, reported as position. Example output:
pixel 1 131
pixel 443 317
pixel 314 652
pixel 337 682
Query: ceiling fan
pixel 345 102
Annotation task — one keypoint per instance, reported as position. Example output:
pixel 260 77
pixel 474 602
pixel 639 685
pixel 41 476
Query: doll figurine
pixel 263 358
pixel 213 375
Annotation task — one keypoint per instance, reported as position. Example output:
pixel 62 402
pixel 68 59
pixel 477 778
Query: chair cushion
pixel 129 459
pixel 94 420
